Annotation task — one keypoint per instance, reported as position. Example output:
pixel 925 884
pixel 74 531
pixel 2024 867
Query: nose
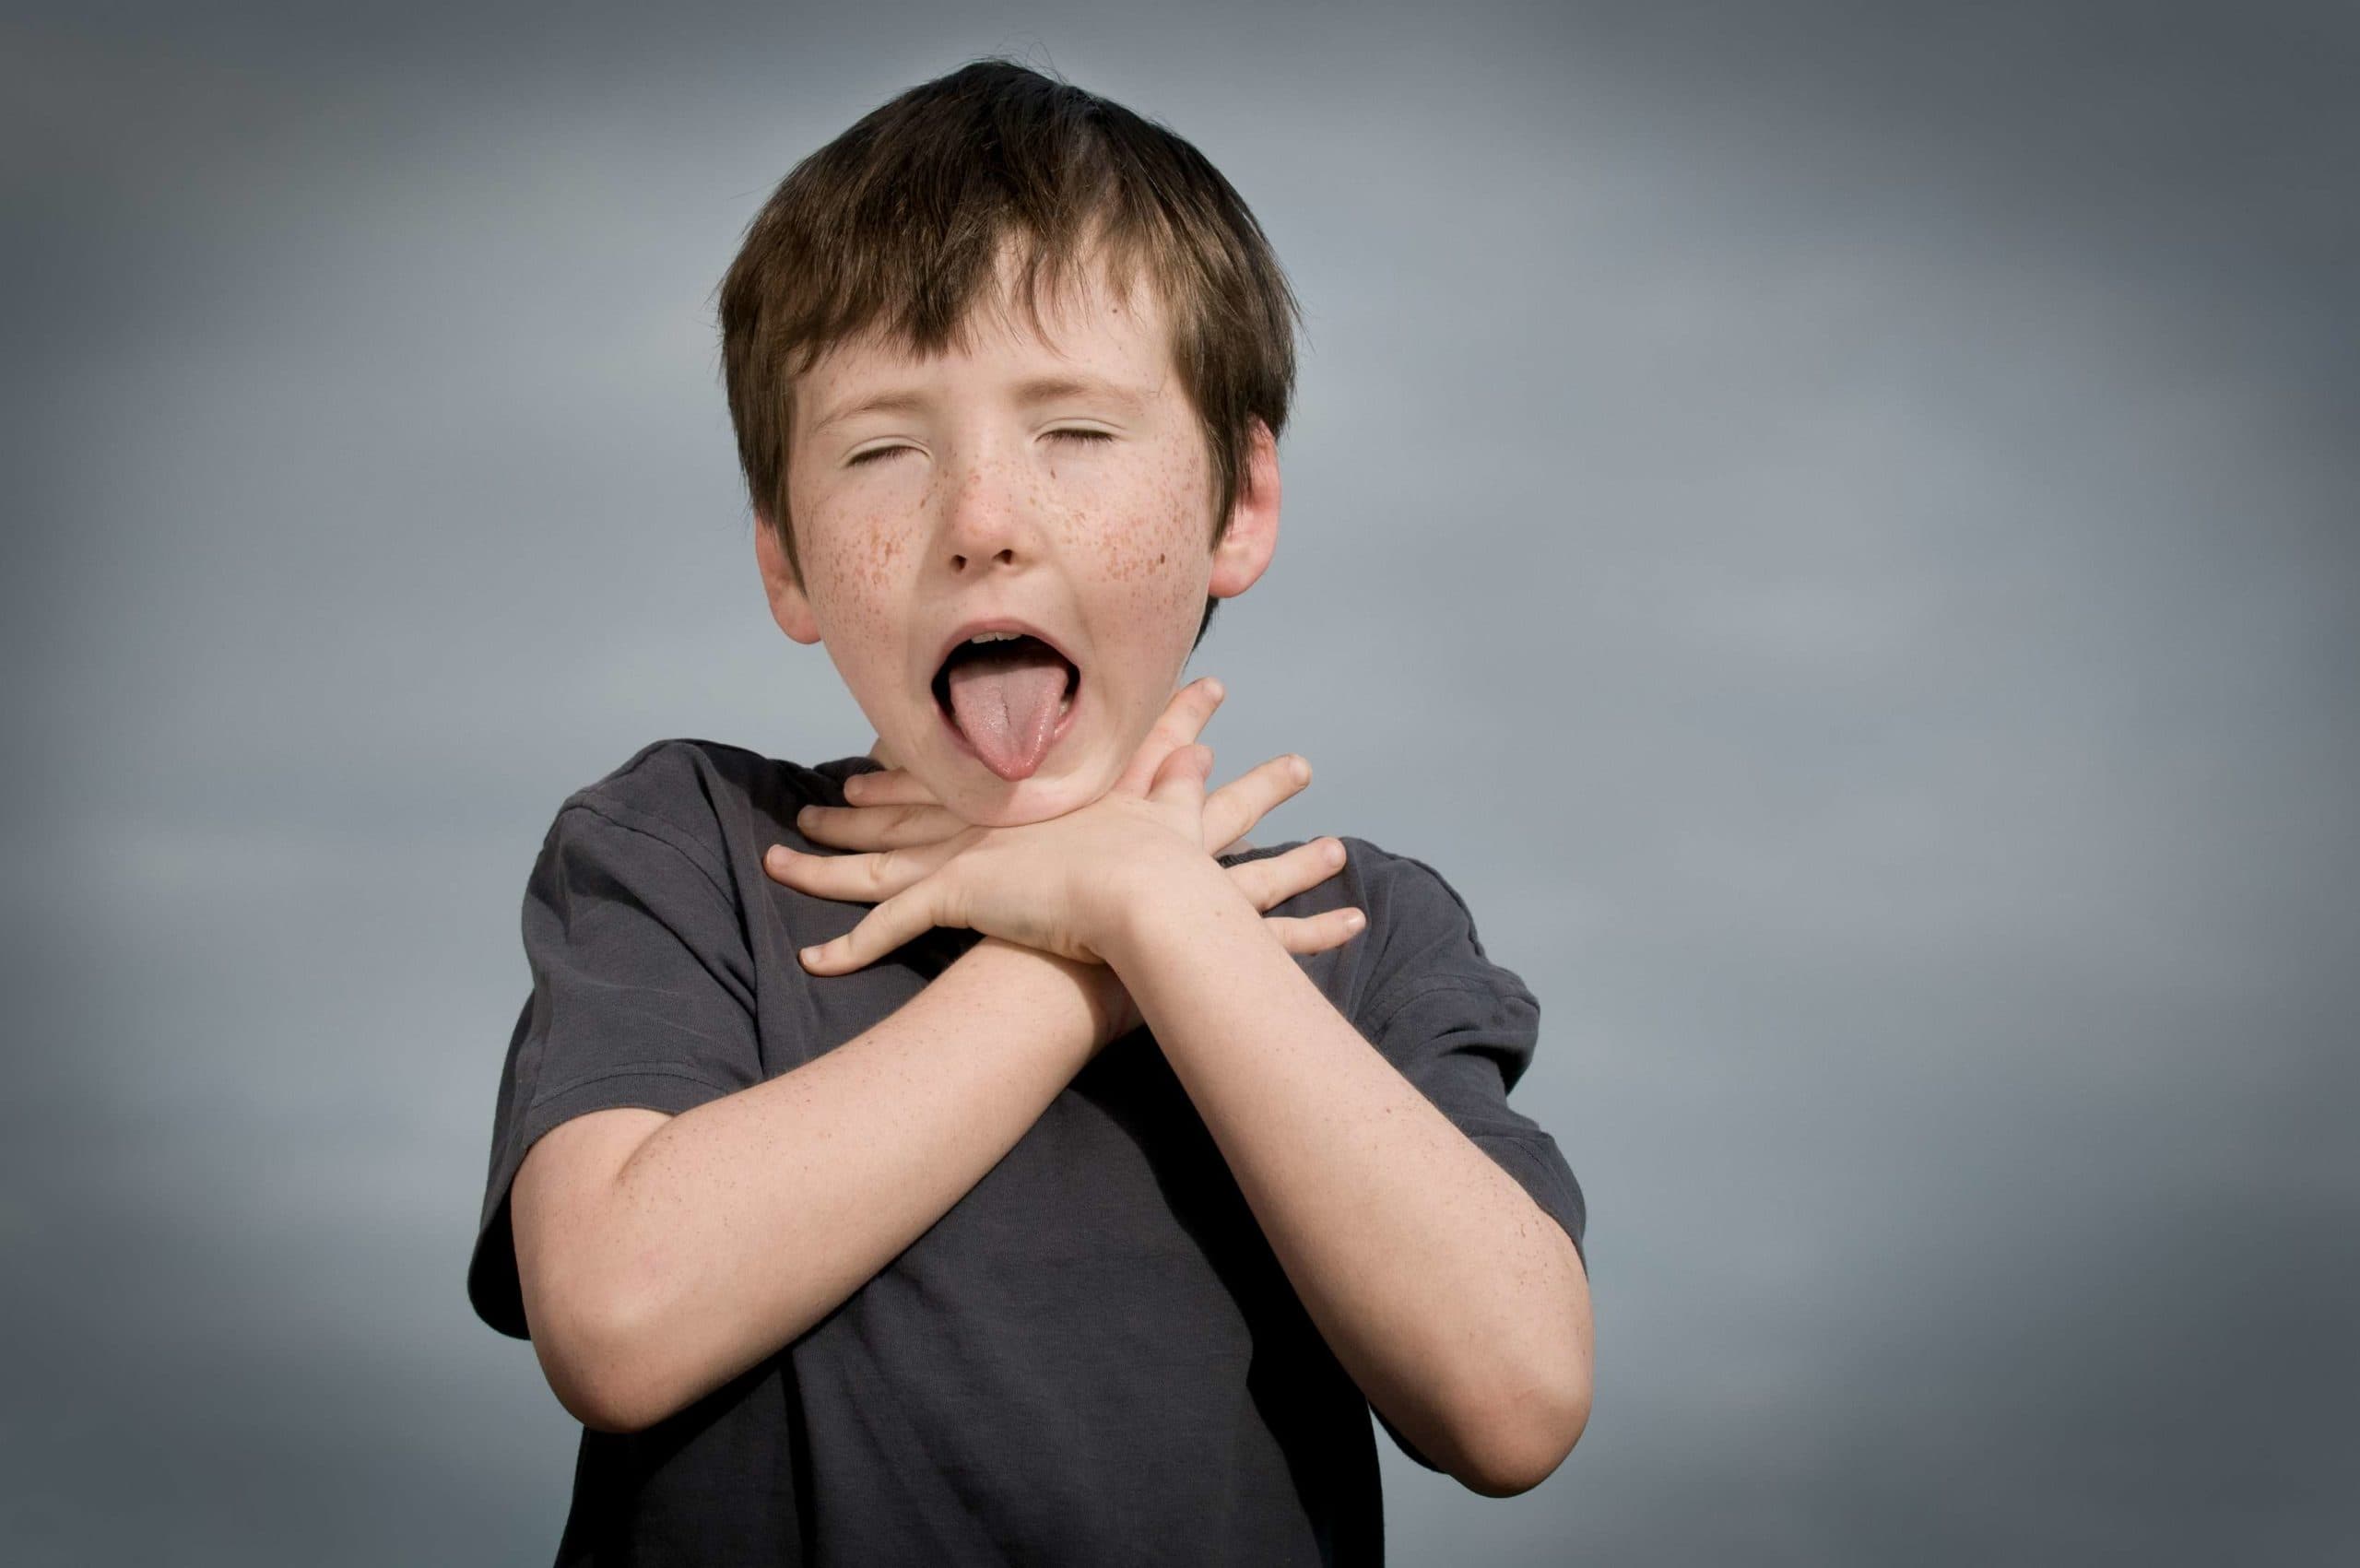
pixel 987 520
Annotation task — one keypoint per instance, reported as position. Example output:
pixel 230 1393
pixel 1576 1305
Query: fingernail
pixel 1302 771
pixel 854 784
pixel 1214 689
pixel 1333 855
pixel 809 955
pixel 1354 919
pixel 803 817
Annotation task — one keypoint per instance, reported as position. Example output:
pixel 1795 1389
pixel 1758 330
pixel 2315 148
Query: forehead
pixel 1093 333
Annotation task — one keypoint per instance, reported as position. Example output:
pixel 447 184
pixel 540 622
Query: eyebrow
pixel 1037 390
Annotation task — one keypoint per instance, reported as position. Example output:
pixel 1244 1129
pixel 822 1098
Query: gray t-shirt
pixel 1095 1356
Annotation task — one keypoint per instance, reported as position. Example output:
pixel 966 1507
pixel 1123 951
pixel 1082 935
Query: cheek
pixel 854 567
pixel 1155 570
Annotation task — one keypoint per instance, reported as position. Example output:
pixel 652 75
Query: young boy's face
pixel 1063 483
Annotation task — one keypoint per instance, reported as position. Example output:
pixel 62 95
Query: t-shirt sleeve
pixel 642 996
pixel 1462 1029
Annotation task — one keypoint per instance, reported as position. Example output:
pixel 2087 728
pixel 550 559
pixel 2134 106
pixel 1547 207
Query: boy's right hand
pixel 890 809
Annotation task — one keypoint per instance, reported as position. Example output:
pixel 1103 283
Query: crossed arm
pixel 1454 1300
pixel 1456 1304
pixel 1458 1307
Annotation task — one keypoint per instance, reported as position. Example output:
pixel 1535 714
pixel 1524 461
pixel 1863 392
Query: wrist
pixel 1062 998
pixel 1159 894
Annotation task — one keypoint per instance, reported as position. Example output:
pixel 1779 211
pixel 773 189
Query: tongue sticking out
pixel 1007 702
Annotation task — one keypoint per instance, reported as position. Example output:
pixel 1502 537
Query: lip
pixel 999 623
pixel 1064 721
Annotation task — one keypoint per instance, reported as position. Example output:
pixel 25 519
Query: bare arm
pixel 645 1286
pixel 1454 1302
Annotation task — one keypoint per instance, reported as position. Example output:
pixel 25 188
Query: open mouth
pixel 1008 701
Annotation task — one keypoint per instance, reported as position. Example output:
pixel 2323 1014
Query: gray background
pixel 1833 526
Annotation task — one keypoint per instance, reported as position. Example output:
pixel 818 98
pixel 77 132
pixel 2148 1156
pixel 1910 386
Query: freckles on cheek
pixel 856 573
pixel 1151 568
pixel 1159 557
pixel 883 556
pixel 865 548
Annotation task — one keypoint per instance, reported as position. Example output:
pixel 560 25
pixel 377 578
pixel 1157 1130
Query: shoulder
pixel 683 776
pixel 704 799
pixel 1421 932
pixel 1411 893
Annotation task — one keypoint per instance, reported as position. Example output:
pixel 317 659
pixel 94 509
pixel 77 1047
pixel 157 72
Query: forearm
pixel 740 1223
pixel 1451 1298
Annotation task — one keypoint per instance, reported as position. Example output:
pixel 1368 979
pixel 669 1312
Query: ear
pixel 1253 537
pixel 788 606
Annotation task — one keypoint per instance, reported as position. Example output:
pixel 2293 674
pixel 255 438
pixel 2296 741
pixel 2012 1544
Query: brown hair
pixel 900 224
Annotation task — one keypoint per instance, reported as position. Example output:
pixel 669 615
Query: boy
pixel 999 1161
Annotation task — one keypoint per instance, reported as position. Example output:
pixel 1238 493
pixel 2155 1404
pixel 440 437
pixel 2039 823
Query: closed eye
pixel 875 453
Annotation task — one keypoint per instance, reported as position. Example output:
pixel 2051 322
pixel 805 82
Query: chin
pixel 1000 805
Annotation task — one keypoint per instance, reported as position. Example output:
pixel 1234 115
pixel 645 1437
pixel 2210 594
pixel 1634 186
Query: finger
pixel 857 878
pixel 1182 721
pixel 1316 933
pixel 1232 810
pixel 888 786
pixel 1181 780
pixel 906 914
pixel 877 827
pixel 1278 878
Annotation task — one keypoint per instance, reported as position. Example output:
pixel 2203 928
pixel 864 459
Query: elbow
pixel 596 1366
pixel 619 1413
pixel 1539 1405
pixel 1527 1436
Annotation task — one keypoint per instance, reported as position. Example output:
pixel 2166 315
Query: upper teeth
pixel 995 636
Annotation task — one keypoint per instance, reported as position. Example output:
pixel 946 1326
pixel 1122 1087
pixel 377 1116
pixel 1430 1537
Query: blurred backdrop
pixel 1837 526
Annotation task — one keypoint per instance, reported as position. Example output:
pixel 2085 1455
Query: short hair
pixel 899 225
